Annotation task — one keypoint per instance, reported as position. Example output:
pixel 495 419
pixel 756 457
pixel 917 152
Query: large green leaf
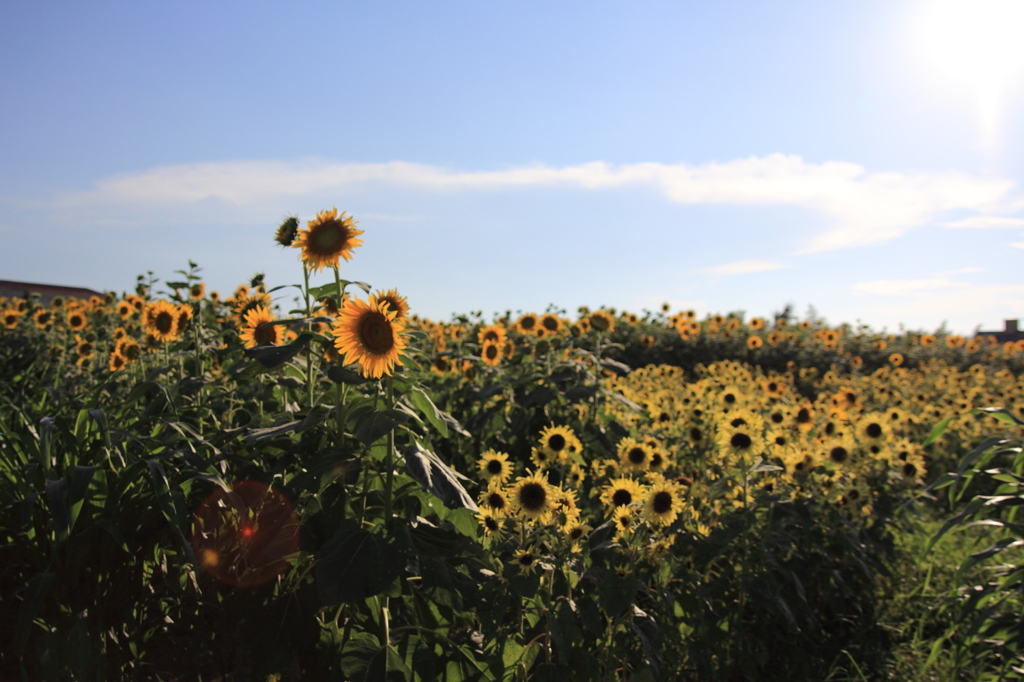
pixel 374 425
pixel 437 477
pixel 355 564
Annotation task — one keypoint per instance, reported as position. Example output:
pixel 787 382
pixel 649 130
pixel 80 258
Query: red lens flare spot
pixel 245 536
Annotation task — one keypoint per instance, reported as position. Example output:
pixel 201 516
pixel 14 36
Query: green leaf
pixel 275 356
pixel 345 375
pixel 426 406
pixel 355 564
pixel 937 431
pixel 1000 413
pixel 37 590
pixel 57 500
pixel 374 425
pixel 437 477
pixel 315 416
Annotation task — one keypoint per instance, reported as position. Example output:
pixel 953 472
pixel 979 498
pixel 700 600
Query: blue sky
pixel 861 157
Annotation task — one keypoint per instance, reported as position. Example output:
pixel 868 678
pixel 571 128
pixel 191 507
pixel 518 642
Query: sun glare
pixel 977 43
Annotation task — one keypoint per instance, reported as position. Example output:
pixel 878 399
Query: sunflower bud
pixel 288 231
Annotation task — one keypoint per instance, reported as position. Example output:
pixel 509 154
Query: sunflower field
pixel 310 481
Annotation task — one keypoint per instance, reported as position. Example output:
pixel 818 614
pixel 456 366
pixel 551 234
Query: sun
pixel 976 43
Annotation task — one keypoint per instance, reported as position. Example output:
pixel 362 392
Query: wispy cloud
pixel 1017 245
pixel 862 207
pixel 904 287
pixel 985 222
pixel 743 267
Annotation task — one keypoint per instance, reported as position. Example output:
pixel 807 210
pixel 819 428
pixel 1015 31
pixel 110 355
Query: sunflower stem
pixel 389 461
pixel 310 386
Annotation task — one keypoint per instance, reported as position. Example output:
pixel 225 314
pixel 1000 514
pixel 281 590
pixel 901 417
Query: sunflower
pixel 328 238
pixel 662 503
pixel 896 359
pixel 76 320
pixel 492 333
pixel 182 320
pixel 125 310
pixel 495 467
pixel 740 440
pixel 559 442
pixel 601 321
pixel 551 323
pixel 117 361
pixel 258 331
pixel 489 522
pixel 287 232
pixel 532 498
pixel 197 291
pixel 528 323
pixel 161 320
pixel 397 304
pixel 43 318
pixel 84 348
pixel 622 492
pixel 367 332
pixel 526 560
pixel 496 500
pixel 623 518
pixel 576 532
pixel 246 303
pixel 754 342
pixel 128 348
pixel 756 323
pixel 490 353
pixel 633 454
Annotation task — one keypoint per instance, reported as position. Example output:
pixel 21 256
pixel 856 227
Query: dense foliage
pixel 193 488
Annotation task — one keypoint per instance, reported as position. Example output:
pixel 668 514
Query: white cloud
pixel 743 267
pixel 1017 245
pixel 905 287
pixel 985 221
pixel 863 208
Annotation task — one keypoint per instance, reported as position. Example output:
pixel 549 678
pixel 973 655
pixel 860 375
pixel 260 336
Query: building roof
pixel 11 289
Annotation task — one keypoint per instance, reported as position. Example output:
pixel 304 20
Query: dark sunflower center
pixel 909 470
pixel 76 321
pixel 556 442
pixel 695 434
pixel 874 431
pixel 738 421
pixel 496 501
pixel 773 387
pixel 740 441
pixel 830 428
pixel 551 324
pixel 532 496
pixel 491 352
pixel 265 334
pixel 776 418
pixel 491 523
pixel 780 441
pixel 729 398
pixel 838 454
pixel 662 502
pixel 622 497
pixel 164 322
pixel 853 495
pixel 526 559
pixel 655 461
pixel 328 239
pixel 375 333
pixel 528 323
pixel 495 467
pixel 803 416
pixel 637 455
pixel 575 534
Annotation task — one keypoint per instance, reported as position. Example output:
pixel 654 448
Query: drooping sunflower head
pixel 287 232
pixel 602 321
pixel 368 333
pixel 259 331
pixel 327 239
